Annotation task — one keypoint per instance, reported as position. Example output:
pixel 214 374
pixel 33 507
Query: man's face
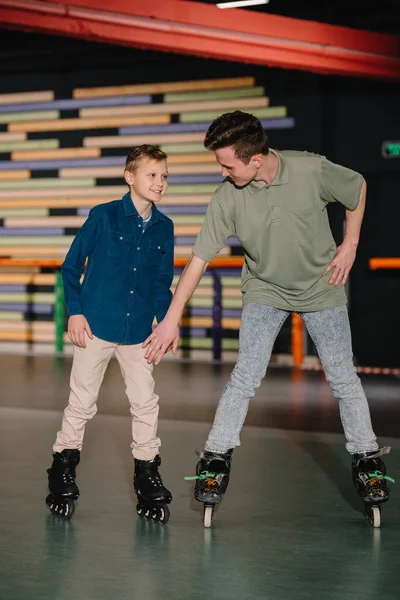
pixel 234 168
pixel 149 179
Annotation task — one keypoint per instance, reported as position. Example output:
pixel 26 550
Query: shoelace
pixel 214 478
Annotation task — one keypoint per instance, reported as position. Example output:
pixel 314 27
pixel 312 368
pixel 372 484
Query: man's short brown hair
pixel 242 131
pixel 144 151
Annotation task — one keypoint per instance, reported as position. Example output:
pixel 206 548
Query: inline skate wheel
pixel 62 507
pixel 208 515
pixel 374 516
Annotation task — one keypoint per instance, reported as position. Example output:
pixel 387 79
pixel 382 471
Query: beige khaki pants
pixel 88 368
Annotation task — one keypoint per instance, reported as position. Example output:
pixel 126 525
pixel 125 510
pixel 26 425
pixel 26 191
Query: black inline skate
pixel 369 477
pixel 153 497
pixel 212 478
pixel 62 486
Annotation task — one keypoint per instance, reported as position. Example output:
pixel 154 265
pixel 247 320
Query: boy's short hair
pixel 143 151
pixel 242 131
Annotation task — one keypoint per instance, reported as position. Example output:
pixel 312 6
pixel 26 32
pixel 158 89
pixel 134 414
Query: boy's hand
pixel 164 338
pixel 77 325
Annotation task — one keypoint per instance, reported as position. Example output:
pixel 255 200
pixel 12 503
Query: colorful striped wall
pixel 60 157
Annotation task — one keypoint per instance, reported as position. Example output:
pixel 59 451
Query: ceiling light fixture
pixel 241 3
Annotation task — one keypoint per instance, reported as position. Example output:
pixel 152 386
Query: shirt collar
pixel 130 210
pixel 281 178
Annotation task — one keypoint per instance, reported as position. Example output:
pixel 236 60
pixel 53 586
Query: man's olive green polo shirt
pixel 284 230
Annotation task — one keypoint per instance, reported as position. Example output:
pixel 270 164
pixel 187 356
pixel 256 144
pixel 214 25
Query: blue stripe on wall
pixel 74 104
pixel 284 123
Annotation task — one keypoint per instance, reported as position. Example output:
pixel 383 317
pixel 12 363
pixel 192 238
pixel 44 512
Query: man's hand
pixel 77 325
pixel 164 338
pixel 341 264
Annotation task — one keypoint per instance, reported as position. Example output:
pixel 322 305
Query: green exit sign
pixel 391 149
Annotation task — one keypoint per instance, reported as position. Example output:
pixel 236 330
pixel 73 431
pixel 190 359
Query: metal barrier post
pixel 59 312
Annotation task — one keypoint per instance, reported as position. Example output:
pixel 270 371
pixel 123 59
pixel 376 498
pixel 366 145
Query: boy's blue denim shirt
pixel 128 275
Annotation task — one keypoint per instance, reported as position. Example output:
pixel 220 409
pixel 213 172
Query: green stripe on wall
pixel 214 95
pixel 206 343
pixel 30 145
pixel 23 212
pixel 183 148
pixel 11 316
pixel 187 219
pixel 209 302
pixel 273 112
pixel 33 298
pixel 46 183
pixel 46 115
pixel 63 240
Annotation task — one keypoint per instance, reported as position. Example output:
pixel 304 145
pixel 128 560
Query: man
pixel 275 202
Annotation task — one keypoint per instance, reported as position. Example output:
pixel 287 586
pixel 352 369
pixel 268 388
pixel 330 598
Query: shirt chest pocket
pixel 304 224
pixel 154 253
pixel 119 244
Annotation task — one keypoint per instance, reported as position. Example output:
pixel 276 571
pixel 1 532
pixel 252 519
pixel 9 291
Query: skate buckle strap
pixel 204 475
pixel 377 475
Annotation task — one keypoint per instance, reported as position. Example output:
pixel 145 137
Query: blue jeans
pixel 330 332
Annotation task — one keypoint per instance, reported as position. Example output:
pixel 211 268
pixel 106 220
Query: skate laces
pixel 211 479
pixel 372 478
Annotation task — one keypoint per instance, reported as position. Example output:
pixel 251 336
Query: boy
pixel 129 245
pixel 275 202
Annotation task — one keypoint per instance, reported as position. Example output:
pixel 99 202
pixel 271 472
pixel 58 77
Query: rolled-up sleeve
pixel 218 225
pixel 339 184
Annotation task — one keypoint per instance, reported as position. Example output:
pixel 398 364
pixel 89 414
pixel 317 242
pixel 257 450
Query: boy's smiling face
pixel 148 181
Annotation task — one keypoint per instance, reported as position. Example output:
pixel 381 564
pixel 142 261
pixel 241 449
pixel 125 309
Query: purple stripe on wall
pixel 39 309
pixel 44 165
pixel 74 104
pixel 40 231
pixel 284 123
pixel 193 331
pixel 12 288
pixel 83 212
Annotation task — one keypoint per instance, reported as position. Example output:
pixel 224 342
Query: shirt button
pixel 138 248
pixel 131 292
pixel 134 268
pixel 159 247
pixel 128 314
pixel 121 238
pixel 139 225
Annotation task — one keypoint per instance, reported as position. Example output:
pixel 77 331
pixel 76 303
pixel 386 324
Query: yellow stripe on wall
pixel 89 192
pixel 101 172
pixel 73 124
pixel 27 278
pixel 12 137
pixel 56 154
pixel 46 96
pixel 164 88
pixel 123 141
pixel 45 222
pixel 15 175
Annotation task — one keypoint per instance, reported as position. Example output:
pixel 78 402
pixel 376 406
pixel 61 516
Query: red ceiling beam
pixel 204 30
